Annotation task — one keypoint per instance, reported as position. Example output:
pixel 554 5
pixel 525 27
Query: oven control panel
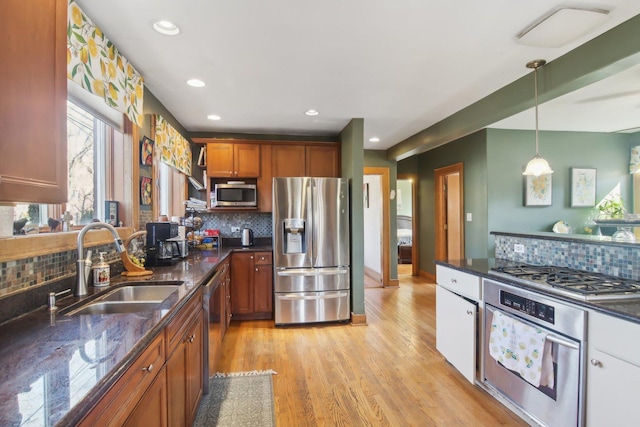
pixel 533 308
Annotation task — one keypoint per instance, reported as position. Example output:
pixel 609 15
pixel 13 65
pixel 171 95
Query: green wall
pixel 378 158
pixel 471 151
pixel 508 151
pixel 404 191
pixel 352 138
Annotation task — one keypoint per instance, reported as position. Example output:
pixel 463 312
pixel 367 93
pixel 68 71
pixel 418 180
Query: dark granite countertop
pixel 624 309
pixel 56 367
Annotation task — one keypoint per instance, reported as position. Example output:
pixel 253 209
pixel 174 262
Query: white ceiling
pixel 402 65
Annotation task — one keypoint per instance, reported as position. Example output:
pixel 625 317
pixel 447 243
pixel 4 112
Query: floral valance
pixel 95 64
pixel 634 163
pixel 172 147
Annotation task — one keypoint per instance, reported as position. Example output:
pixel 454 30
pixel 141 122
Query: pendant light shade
pixel 537 166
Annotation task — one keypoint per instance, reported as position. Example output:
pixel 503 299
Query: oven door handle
pixel 563 342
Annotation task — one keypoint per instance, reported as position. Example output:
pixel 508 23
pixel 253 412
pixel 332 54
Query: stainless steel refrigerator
pixel 311 250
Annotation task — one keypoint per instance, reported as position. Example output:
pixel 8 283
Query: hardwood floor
pixel 387 373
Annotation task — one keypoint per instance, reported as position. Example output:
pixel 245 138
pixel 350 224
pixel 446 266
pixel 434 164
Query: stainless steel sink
pixel 114 307
pixel 151 293
pixel 128 299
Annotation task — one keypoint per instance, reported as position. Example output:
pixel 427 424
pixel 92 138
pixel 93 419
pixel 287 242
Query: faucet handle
pixel 52 298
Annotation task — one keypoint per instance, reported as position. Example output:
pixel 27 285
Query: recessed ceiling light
pixel 213 117
pixel 311 113
pixel 167 28
pixel 195 83
pixel 374 139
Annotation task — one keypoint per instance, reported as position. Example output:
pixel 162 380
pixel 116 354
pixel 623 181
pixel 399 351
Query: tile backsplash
pixel 260 223
pixel 620 260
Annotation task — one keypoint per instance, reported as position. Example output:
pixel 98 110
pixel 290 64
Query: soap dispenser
pixel 101 272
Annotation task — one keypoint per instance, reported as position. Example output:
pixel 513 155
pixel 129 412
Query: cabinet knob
pixel 469 312
pixel 148 368
pixel 191 339
pixel 251 257
pixel 596 362
pixel 256 268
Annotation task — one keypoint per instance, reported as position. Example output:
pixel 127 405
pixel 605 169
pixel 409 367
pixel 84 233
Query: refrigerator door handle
pixel 312 217
pixel 307 272
pixel 332 295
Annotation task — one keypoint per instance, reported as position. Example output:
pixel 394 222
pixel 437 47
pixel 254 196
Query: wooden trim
pixel 20 247
pixel 394 283
pixel 384 181
pixel 429 276
pixel 132 139
pixel 415 220
pixel 440 231
pixel 358 319
pixel 261 141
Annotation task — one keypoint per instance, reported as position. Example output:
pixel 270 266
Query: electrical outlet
pixel 518 248
pixel 235 229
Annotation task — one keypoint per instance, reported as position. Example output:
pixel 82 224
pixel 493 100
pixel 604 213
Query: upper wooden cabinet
pixel 233 160
pixel 33 84
pixel 287 160
pixel 322 161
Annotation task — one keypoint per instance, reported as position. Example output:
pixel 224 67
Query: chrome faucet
pixel 81 280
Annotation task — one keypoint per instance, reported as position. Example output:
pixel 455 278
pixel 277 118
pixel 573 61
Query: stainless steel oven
pixel 565 328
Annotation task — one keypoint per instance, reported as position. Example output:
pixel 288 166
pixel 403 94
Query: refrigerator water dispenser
pixel 294 236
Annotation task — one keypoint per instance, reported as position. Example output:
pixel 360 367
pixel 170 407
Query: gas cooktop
pixel 571 283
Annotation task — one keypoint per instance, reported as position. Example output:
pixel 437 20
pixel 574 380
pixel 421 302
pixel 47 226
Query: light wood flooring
pixel 387 373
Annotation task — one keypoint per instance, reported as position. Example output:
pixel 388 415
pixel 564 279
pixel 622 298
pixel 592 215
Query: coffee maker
pixel 162 247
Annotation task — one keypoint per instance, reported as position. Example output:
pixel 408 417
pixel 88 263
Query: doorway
pixel 449 212
pixel 376 224
pixel 407 225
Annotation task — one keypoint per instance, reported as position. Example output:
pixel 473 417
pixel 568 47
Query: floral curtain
pixel 634 163
pixel 172 147
pixel 95 64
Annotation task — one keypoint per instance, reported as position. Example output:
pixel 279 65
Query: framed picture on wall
pixel 146 151
pixel 537 191
pixel 583 187
pixel 145 191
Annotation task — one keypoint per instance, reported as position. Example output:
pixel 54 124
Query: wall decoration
pixel 583 187
pixel 365 191
pixel 146 151
pixel 537 190
pixel 145 191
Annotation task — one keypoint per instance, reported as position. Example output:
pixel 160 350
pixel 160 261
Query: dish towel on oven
pixel 522 349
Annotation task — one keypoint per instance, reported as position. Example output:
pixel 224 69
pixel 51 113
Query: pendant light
pixel 537 166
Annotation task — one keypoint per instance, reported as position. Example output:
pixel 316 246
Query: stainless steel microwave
pixel 234 194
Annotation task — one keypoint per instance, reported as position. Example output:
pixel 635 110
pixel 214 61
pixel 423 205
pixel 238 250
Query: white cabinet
pixel 457 318
pixel 613 371
pixel 456 331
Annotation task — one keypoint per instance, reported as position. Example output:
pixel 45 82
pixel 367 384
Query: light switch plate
pixel 469 216
pixel 518 248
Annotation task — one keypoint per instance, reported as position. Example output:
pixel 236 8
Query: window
pixel 90 146
pixel 171 191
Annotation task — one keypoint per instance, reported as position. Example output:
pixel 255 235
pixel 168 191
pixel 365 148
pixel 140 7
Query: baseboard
pixel 373 274
pixel 429 276
pixel 358 319
pixel 393 283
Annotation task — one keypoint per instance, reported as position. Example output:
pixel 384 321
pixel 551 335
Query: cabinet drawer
pixel 263 258
pixel 615 337
pixel 459 282
pixel 178 326
pixel 116 405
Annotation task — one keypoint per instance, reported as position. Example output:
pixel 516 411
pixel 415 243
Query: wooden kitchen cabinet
pixel 233 160
pixel 457 318
pixel 185 364
pixel 128 396
pixel 613 370
pixel 252 285
pixel 152 408
pixel 322 161
pixel 33 84
pixel 287 160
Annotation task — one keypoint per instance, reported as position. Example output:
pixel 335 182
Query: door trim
pixel 384 183
pixel 440 211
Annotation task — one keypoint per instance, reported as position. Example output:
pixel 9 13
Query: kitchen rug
pixel 238 399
